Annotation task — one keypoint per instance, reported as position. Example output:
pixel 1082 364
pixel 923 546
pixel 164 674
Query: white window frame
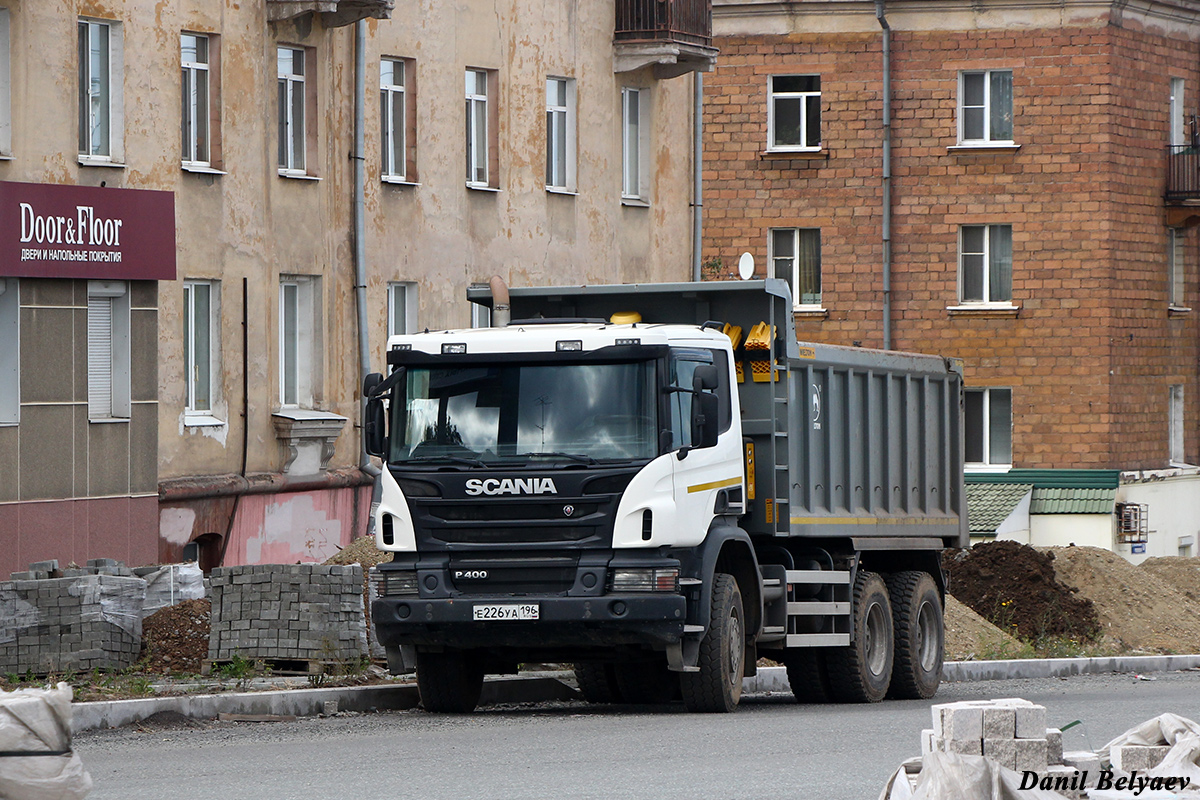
pixel 988 108
pixel 1177 269
pixel 788 266
pixel 108 365
pixel 478 133
pixel 5 86
pixel 1177 112
pixel 1175 425
pixel 985 435
pixel 560 135
pixel 804 97
pixel 201 358
pixel 635 137
pixel 10 353
pixel 292 152
pixel 394 101
pixel 988 265
pixel 402 302
pixel 110 95
pixel 196 105
pixel 481 316
pixel 299 346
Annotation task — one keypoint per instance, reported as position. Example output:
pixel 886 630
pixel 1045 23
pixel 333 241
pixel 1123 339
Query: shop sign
pixel 56 231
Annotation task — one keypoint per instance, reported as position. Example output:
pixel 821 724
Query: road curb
pixel 548 686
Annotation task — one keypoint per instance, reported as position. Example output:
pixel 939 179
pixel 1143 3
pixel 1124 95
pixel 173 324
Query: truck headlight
pixel 645 579
pixel 394 582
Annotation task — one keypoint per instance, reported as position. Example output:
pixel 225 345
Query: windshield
pixel 524 412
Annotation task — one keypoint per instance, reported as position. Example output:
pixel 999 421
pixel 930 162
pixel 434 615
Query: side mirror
pixel 704 418
pixel 704 377
pixel 374 418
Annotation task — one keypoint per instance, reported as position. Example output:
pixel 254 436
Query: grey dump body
pixel 853 444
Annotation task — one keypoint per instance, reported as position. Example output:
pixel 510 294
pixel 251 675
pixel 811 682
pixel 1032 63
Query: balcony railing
pixel 683 21
pixel 1183 174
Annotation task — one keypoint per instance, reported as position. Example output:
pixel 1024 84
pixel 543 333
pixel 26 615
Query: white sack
pixel 950 776
pixel 39 720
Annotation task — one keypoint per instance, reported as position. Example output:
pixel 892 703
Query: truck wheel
pixel 597 682
pixel 717 687
pixel 808 675
pixel 920 635
pixel 449 682
pixel 862 672
pixel 646 682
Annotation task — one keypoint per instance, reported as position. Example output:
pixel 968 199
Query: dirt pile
pixel 1015 587
pixel 970 637
pixel 175 638
pixel 360 551
pixel 1137 607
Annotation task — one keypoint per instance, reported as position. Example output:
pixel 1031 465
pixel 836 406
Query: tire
pixel 449 682
pixel 597 682
pixel 808 675
pixel 646 682
pixel 862 672
pixel 717 687
pixel 920 635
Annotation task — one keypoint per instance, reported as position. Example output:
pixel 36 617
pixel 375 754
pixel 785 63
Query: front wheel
pixel 717 687
pixel 862 671
pixel 449 682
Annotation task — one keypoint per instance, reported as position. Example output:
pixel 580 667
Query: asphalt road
pixel 771 748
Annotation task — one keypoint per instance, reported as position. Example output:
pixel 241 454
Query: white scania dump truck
pixel 661 501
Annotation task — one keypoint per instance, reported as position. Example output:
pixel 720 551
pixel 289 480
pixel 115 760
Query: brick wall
pixel 1092 351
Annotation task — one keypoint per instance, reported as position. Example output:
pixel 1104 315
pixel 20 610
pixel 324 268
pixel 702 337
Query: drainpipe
pixel 697 170
pixel 887 175
pixel 360 246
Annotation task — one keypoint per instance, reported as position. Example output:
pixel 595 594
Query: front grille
pixel 541 534
pixel 510 512
pixel 514 575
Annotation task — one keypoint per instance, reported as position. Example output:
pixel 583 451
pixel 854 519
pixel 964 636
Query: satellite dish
pixel 746 266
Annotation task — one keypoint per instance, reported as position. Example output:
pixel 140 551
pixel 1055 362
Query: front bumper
pixel 563 622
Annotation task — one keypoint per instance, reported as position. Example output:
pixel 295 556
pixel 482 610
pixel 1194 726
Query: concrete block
pixel 1030 755
pixel 927 739
pixel 966 747
pixel 1066 781
pixel 958 721
pixel 1054 747
pixel 44 566
pixel 1128 758
pixel 1002 751
pixel 999 723
pixel 1031 722
pixel 1083 761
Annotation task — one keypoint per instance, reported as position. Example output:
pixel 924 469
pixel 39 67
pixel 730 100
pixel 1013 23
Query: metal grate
pixel 1132 523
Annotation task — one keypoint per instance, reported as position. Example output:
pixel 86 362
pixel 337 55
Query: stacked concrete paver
pixel 279 613
pixel 54 620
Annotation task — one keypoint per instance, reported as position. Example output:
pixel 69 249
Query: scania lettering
pixel 659 485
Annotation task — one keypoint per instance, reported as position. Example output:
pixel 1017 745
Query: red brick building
pixel 1029 231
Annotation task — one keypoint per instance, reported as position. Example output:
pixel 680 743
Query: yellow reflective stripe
pixel 704 487
pixel 873 521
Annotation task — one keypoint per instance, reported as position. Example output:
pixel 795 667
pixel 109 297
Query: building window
pixel 100 90
pixel 402 308
pixel 985 264
pixel 196 112
pixel 479 124
pixel 299 340
pixel 397 100
pixel 634 130
pixel 1177 112
pixel 201 333
pixel 1176 264
pixel 293 92
pixel 1175 424
pixel 794 112
pixel 481 316
pixel 796 257
pixel 10 360
pixel 985 107
pixel 560 134
pixel 988 427
pixel 108 351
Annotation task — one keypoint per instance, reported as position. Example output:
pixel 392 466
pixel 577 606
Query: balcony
pixel 334 13
pixel 675 36
pixel 1183 185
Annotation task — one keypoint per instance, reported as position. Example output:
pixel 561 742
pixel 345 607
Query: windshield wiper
pixel 470 462
pixel 581 458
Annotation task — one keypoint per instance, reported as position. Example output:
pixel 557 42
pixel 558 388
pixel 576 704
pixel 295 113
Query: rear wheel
pixel 920 635
pixel 808 675
pixel 862 672
pixel 717 687
pixel 646 682
pixel 449 682
pixel 597 682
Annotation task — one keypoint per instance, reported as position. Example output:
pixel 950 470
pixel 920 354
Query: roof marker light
pixel 454 348
pixel 628 341
pixel 567 345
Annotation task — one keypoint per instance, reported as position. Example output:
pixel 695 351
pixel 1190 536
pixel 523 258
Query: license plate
pixel 504 612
